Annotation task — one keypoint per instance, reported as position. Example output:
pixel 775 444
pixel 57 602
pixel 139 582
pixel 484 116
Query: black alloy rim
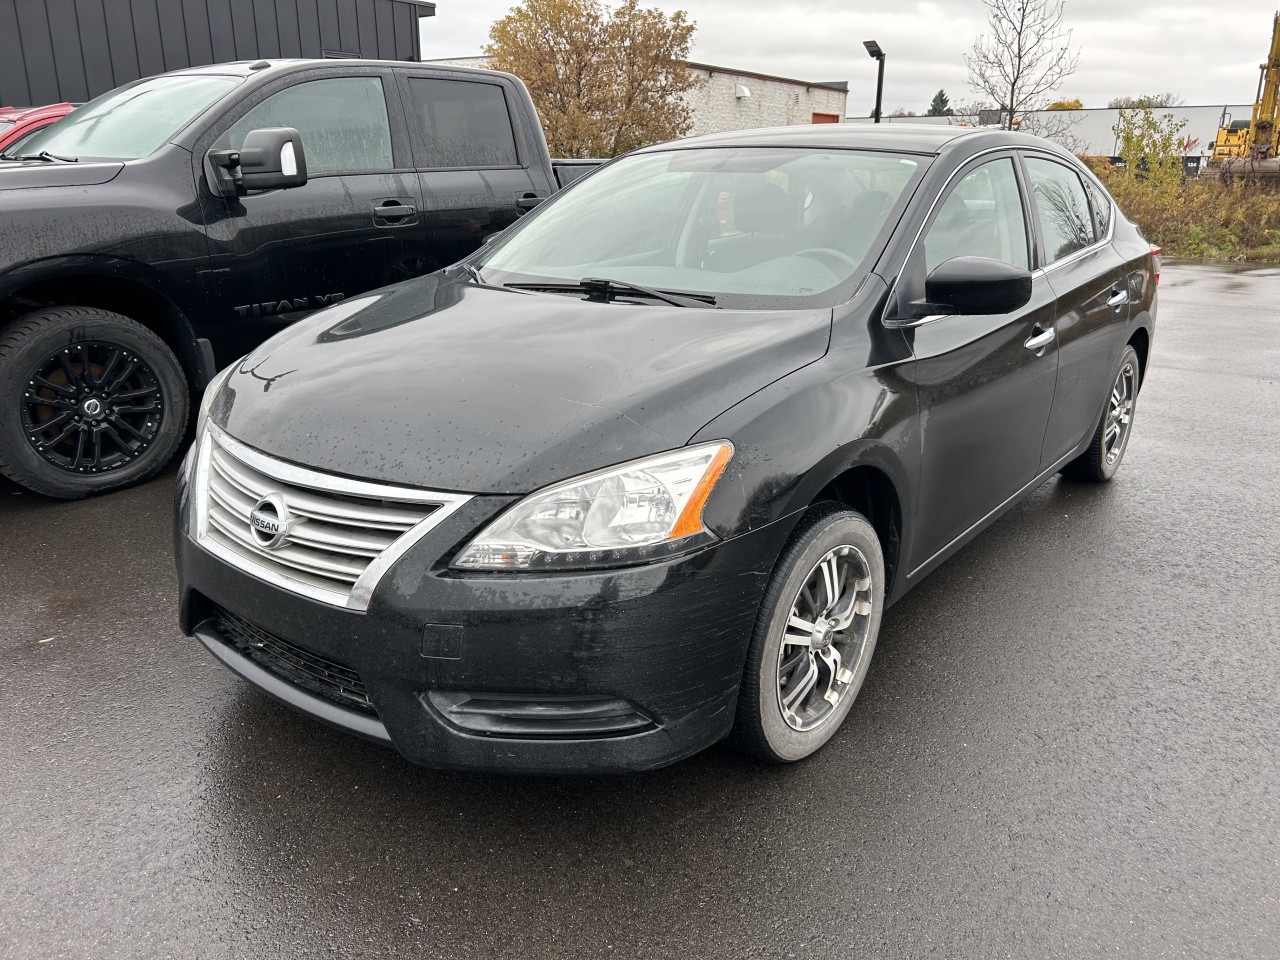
pixel 91 407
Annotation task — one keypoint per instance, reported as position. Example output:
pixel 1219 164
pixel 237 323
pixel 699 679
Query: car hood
pixel 452 386
pixel 25 174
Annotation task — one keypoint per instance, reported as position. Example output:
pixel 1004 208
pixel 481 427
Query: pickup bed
pixel 168 227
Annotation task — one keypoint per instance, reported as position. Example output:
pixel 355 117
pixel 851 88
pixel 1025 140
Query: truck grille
pixel 329 679
pixel 326 537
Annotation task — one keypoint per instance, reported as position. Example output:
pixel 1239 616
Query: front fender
pixel 795 437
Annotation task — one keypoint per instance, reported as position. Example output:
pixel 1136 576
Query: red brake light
pixel 1155 255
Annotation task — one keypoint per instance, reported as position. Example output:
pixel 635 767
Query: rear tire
pixel 90 401
pixel 795 694
pixel 1106 450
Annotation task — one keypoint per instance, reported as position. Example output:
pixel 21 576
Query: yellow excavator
pixel 1252 147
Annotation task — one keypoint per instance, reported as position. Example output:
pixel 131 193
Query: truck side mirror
pixel 271 159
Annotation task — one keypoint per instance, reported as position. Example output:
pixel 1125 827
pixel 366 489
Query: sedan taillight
pixel 1155 256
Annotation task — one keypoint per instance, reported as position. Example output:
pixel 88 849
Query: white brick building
pixel 730 99
pixel 738 100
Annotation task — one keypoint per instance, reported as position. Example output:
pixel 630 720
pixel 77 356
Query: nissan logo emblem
pixel 270 521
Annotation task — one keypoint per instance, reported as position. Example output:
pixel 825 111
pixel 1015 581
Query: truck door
pixel 277 255
pixel 475 164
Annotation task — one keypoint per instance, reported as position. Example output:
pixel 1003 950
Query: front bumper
pixel 526 673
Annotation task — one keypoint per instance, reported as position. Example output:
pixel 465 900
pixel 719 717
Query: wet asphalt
pixel 1068 746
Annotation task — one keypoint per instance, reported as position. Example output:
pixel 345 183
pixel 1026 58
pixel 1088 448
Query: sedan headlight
pixel 210 392
pixel 639 511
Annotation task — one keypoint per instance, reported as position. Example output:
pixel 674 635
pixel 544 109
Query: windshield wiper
pixel 603 290
pixel 44 155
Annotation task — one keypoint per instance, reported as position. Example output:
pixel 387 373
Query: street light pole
pixel 873 49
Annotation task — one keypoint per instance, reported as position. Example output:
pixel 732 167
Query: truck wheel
pixel 90 401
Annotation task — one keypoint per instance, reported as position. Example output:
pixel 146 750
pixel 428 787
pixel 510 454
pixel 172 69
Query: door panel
pixel 278 255
pixel 1093 310
pixel 984 401
pixel 1089 280
pixel 984 395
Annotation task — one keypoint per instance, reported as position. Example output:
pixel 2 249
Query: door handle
pixel 525 204
pixel 1037 343
pixel 1118 299
pixel 392 210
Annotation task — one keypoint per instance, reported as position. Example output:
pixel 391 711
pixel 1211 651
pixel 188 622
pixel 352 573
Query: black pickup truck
pixel 168 227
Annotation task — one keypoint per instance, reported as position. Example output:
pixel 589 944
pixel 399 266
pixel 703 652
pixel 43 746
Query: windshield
pixel 753 226
pixel 131 121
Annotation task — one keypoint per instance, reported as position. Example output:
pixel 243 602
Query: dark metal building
pixel 56 50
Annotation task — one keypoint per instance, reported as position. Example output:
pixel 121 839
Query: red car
pixel 16 123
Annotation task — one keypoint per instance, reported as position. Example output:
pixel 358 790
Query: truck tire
pixel 90 401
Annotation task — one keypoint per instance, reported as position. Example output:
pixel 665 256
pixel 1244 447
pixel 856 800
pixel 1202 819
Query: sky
pixel 1206 52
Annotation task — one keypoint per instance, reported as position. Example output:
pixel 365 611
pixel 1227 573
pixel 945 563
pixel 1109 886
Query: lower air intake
pixel 325 678
pixel 539 717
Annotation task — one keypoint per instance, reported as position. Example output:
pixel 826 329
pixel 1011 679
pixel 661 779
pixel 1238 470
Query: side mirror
pixel 975 285
pixel 271 159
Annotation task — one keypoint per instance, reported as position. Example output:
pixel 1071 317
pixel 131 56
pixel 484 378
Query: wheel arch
pixel 868 477
pixel 120 286
pixel 1140 340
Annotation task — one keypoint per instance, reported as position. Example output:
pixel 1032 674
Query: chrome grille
pixel 341 535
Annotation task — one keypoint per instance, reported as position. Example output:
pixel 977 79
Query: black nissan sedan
pixel 643 473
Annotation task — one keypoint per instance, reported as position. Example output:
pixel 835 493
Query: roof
pixel 901 137
pixel 841 86
pixel 14 114
pixel 245 68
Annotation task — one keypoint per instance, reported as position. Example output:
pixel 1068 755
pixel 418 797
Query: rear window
pixel 1066 224
pixel 462 124
pixel 1101 206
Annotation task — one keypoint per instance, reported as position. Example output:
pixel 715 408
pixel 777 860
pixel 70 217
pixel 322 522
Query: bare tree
pixel 1026 57
pixel 1058 126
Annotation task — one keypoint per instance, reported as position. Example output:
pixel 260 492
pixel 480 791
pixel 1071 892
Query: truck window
pixel 343 123
pixel 462 124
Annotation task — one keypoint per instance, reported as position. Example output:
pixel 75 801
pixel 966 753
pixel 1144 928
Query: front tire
pixel 814 637
pixel 90 401
pixel 1106 450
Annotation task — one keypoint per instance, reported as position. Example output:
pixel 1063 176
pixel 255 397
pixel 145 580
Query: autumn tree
pixel 1065 105
pixel 604 80
pixel 940 105
pixel 1024 59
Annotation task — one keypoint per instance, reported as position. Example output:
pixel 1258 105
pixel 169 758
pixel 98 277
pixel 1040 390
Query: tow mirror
pixel 976 285
pixel 271 159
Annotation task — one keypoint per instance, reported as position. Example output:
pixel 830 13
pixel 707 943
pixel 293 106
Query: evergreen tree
pixel 940 106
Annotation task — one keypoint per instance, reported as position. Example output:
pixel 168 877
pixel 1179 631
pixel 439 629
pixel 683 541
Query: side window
pixel 343 123
pixel 464 123
pixel 1065 222
pixel 981 217
pixel 1100 204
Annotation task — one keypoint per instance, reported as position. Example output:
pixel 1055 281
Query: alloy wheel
pixel 1119 414
pixel 825 638
pixel 91 407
